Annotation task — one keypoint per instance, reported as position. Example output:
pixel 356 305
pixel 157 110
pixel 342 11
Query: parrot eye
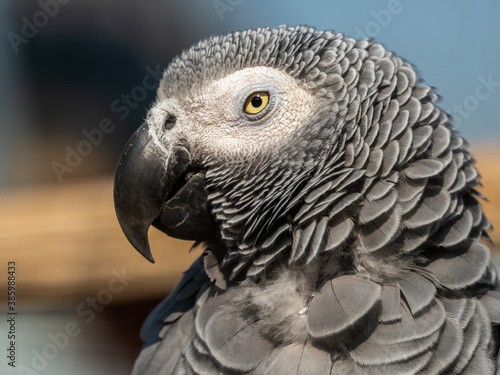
pixel 256 102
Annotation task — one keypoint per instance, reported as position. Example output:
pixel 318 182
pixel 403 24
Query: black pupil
pixel 256 101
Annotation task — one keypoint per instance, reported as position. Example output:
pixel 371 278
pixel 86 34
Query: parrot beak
pixel 162 188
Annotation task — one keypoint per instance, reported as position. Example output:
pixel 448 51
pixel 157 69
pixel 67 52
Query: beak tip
pixel 137 235
pixel 149 257
pixel 141 244
pixel 144 250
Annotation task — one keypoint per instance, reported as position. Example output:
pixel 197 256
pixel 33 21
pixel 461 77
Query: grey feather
pixel 319 240
pixel 405 146
pixel 340 304
pixel 421 135
pixel 391 154
pixel 447 350
pixel 410 328
pixel 455 232
pixel 430 209
pixel 400 123
pixel 383 134
pixel 409 189
pixel 228 337
pixel 440 141
pixel 391 304
pixel 302 240
pixel 339 231
pixel 300 359
pixel 414 239
pixel 417 291
pixel 411 366
pixel 458 270
pixel 372 210
pixel 378 233
pixel 423 169
pixel 376 354
pixel 345 202
pixel 382 187
pixel 161 358
pixel 362 157
pixel 374 162
pixel 472 342
pixel 491 303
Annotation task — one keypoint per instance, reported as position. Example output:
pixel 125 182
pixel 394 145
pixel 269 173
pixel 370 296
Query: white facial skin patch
pixel 215 121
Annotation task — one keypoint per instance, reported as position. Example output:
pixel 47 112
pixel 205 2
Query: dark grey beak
pixel 161 188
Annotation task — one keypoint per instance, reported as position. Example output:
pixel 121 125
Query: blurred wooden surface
pixel 66 241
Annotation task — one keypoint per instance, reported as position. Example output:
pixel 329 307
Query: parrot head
pixel 217 120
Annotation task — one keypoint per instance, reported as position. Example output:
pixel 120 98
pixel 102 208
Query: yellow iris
pixel 256 102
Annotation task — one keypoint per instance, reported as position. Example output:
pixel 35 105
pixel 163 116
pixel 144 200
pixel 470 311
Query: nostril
pixel 170 121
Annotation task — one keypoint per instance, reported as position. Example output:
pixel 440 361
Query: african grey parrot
pixel 335 205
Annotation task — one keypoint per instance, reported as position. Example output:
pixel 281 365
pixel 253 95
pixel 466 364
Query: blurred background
pixel 77 78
